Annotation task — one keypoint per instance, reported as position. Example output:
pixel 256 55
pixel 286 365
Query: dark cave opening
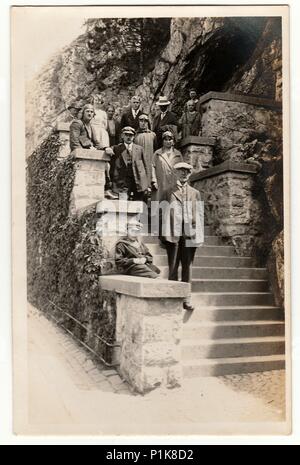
pixel 210 66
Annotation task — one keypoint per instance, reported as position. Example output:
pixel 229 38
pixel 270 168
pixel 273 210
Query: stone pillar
pixel 89 179
pixel 63 130
pixel 148 329
pixel 231 208
pixel 198 151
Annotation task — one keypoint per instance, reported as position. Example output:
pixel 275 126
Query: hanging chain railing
pixel 77 322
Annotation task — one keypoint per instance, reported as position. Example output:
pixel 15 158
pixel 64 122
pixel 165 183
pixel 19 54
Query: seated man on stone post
pixel 129 168
pixel 132 256
pixel 82 136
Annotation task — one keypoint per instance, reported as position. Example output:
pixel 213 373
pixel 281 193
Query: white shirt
pixel 129 147
pixel 135 112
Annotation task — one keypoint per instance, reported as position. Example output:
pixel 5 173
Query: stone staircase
pixel 236 327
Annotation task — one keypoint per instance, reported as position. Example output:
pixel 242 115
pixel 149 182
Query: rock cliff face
pixel 155 57
pixel 151 57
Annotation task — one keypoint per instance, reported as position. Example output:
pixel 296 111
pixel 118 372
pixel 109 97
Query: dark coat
pixel 114 139
pixel 80 137
pixel 190 127
pixel 119 168
pixel 127 119
pixel 126 253
pixel 171 220
pixel 159 125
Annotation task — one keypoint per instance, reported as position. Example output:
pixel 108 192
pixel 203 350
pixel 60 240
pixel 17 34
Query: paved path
pixel 69 393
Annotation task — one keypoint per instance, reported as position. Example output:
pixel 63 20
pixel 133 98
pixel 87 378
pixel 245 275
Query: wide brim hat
pixel 183 166
pixel 128 130
pixel 162 101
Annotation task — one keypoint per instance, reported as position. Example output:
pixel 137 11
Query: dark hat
pixel 75 105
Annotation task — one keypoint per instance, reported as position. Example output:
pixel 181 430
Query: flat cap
pixel 128 130
pixel 182 165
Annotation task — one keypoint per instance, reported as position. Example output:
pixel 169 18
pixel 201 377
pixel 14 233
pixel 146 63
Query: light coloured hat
pixel 163 101
pixel 144 116
pixel 182 165
pixel 128 130
pixel 134 223
pixel 168 133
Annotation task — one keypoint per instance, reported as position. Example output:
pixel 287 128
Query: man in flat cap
pixel 129 168
pixel 182 226
pixel 164 120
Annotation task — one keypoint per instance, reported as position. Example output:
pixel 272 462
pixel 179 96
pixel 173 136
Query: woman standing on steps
pixel 164 159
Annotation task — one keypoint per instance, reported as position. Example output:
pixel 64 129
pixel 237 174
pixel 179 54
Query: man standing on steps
pixel 182 226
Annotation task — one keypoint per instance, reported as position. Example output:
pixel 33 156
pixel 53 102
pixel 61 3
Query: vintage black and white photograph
pixel 153 146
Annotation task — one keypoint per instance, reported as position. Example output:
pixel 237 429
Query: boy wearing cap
pixel 182 226
pixel 129 170
pixel 132 256
pixel 164 120
pixel 146 139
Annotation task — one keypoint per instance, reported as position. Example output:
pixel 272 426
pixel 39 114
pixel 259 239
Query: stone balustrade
pixel 198 151
pixel 230 206
pixel 148 329
pixel 236 119
pixel 89 179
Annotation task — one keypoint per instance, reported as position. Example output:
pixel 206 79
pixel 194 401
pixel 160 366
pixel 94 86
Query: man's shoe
pixel 111 195
pixel 188 307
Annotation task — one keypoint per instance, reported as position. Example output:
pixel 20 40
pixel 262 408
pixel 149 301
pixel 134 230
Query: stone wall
pixel 230 206
pixel 239 124
pixel 148 330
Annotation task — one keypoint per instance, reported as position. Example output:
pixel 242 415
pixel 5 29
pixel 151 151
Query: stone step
pixel 232 347
pixel 223 273
pixel 208 240
pixel 229 366
pixel 238 313
pixel 205 250
pixel 212 261
pixel 229 285
pixel 236 329
pixel 207 299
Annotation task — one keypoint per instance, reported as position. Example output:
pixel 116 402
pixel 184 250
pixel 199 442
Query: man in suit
pixel 83 136
pixel 131 116
pixel 129 169
pixel 164 120
pixel 182 226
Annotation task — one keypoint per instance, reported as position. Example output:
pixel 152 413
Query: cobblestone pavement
pixel 269 386
pixel 71 393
